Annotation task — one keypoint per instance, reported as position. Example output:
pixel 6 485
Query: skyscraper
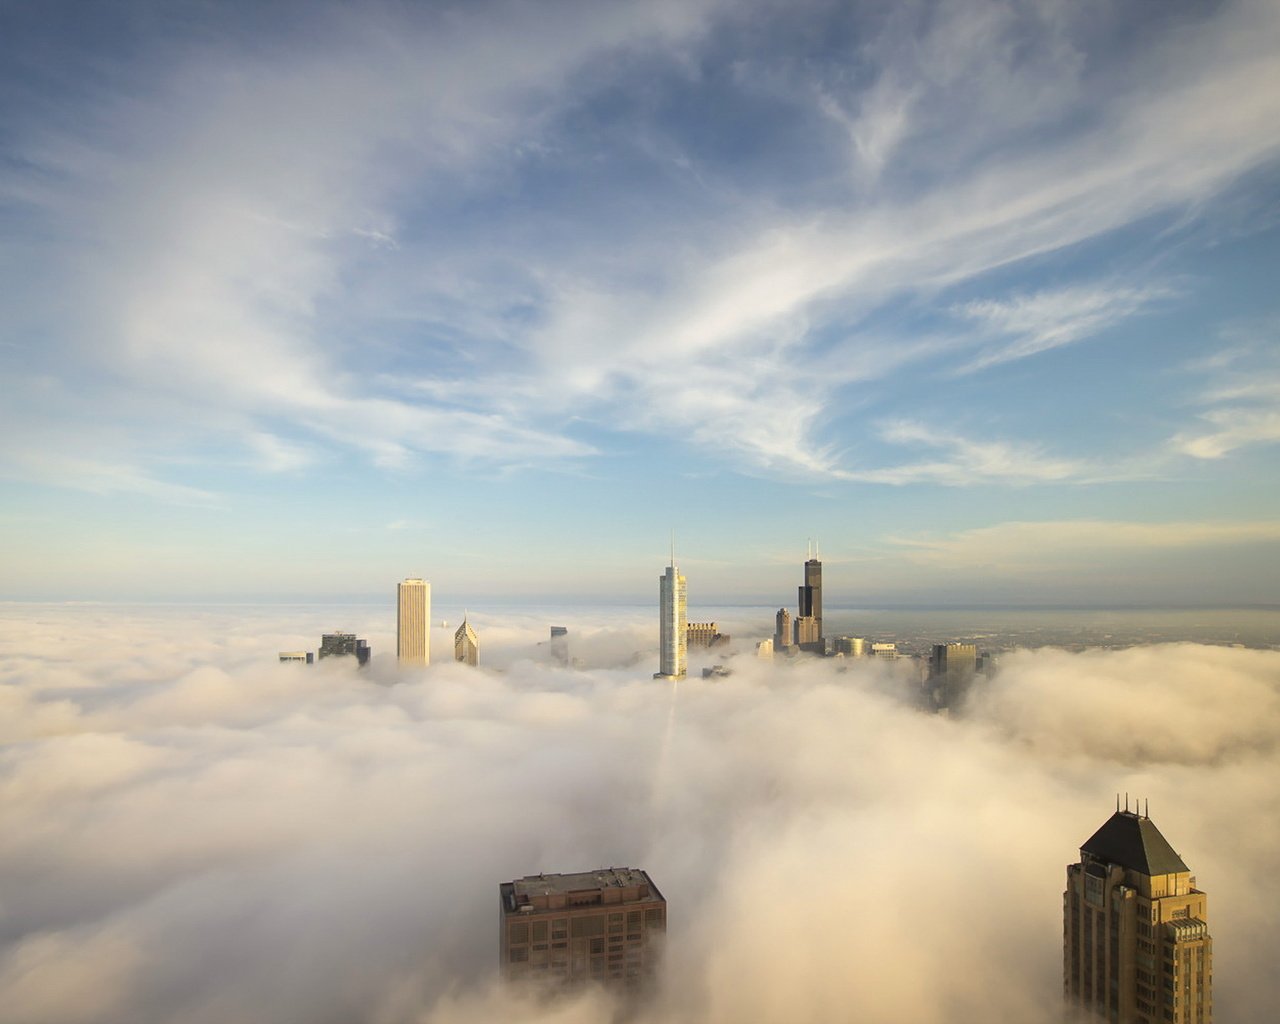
pixel 1136 944
pixel 782 638
pixel 560 645
pixel 605 925
pixel 338 645
pixel 672 622
pixel 466 645
pixel 413 634
pixel 809 634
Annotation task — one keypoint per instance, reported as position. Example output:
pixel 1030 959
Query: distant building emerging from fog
pixel 341 645
pixel 605 926
pixel 884 650
pixel 704 634
pixel 466 645
pixel 413 633
pixel 782 631
pixel 851 646
pixel 764 649
pixel 672 622
pixel 305 657
pixel 951 670
pixel 560 645
pixel 809 620
pixel 1136 944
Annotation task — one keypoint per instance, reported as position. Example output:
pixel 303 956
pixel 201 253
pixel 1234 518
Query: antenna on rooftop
pixel 1117 803
pixel 1126 803
pixel 1146 807
pixel 673 549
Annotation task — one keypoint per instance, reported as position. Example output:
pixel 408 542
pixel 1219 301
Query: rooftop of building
pixel 615 885
pixel 1133 841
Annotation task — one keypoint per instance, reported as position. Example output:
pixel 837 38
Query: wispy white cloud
pixel 1241 402
pixel 1045 320
pixel 963 462
pixel 260 222
pixel 1013 547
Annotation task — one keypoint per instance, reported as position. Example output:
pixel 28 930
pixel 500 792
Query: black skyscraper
pixel 809 621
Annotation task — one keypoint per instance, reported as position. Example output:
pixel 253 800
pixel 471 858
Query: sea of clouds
pixel 193 832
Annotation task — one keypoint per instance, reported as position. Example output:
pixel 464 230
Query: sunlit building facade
pixel 605 926
pixel 466 645
pixel 782 637
pixel 809 617
pixel 672 623
pixel 413 632
pixel 1136 944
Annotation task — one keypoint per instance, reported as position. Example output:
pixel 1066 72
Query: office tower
pixel 466 645
pixel 413 623
pixel 782 631
pixel 303 657
pixel 764 649
pixel 672 622
pixel 955 660
pixel 605 925
pixel 341 645
pixel 1136 944
pixel 704 634
pixel 811 606
pixel 951 669
pixel 560 645
pixel 884 650
pixel 852 646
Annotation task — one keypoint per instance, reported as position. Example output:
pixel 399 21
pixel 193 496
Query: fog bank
pixel 194 832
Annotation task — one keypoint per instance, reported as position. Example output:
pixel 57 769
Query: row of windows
pixel 520 932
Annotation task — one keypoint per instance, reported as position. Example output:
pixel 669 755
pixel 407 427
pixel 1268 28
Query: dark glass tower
pixel 809 621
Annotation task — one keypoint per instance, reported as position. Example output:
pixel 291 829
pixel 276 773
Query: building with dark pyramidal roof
pixel 1136 944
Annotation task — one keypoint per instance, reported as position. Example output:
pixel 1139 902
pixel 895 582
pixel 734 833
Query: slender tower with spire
pixel 672 621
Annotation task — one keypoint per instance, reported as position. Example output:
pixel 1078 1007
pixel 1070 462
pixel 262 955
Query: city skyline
pixel 179 799
pixel 980 294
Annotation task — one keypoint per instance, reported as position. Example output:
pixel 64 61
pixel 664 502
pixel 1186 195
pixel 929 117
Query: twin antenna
pixel 1145 805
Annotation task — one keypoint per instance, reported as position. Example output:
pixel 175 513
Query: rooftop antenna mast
pixel 673 549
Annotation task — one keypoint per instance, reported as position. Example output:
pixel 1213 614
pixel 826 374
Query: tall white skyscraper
pixel 413 625
pixel 672 623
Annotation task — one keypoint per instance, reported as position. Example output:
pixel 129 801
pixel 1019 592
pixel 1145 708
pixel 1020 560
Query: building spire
pixel 673 549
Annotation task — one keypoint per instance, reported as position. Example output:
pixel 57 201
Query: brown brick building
pixel 1136 945
pixel 605 925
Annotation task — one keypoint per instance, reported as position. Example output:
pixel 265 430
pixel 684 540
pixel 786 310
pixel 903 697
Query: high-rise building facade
pixel 413 623
pixel 560 645
pixel 809 633
pixel 672 623
pixel 704 634
pixel 1136 944
pixel 782 638
pixel 466 645
pixel 605 926
pixel 338 645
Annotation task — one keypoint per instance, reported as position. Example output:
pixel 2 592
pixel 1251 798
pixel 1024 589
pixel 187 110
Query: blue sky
pixel 299 300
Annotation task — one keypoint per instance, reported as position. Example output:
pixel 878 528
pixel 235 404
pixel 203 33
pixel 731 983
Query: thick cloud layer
pixel 195 833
